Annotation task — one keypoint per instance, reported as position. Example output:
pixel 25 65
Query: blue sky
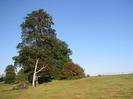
pixel 99 32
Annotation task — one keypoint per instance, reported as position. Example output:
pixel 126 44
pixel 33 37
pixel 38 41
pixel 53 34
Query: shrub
pixel 72 71
pixel 87 75
pixel 99 75
pixel 10 74
pixel 21 76
pixel 1 78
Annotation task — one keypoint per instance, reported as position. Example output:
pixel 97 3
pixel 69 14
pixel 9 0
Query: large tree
pixel 41 54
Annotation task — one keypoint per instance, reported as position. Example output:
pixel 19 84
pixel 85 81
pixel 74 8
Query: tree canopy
pixel 40 47
pixel 39 41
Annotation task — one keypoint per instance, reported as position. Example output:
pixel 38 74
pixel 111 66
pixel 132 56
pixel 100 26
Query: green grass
pixel 105 87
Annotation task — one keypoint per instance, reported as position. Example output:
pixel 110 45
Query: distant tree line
pixel 42 56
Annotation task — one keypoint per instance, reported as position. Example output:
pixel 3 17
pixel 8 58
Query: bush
pixel 99 75
pixel 21 76
pixel 1 78
pixel 87 75
pixel 72 71
pixel 10 74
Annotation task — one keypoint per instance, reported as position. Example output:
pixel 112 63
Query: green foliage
pixel 21 76
pixel 72 71
pixel 10 74
pixel 1 78
pixel 39 41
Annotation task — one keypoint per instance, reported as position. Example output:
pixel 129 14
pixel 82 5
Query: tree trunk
pixel 36 80
pixel 34 75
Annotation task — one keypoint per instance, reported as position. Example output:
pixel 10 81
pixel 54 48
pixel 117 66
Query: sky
pixel 99 32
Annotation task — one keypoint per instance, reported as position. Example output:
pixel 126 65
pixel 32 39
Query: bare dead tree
pixel 35 77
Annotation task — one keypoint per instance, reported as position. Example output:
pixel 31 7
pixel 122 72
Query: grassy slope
pixel 105 87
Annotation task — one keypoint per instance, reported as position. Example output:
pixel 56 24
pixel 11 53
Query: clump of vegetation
pixel 72 71
pixel 99 75
pixel 87 75
pixel 21 76
pixel 10 74
pixel 1 78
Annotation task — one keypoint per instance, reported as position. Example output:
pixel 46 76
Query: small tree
pixel 10 74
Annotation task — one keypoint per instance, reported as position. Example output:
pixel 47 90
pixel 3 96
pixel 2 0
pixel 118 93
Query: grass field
pixel 104 87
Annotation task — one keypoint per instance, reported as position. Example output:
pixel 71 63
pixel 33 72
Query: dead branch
pixel 42 68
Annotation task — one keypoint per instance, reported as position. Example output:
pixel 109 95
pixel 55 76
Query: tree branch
pixel 42 68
